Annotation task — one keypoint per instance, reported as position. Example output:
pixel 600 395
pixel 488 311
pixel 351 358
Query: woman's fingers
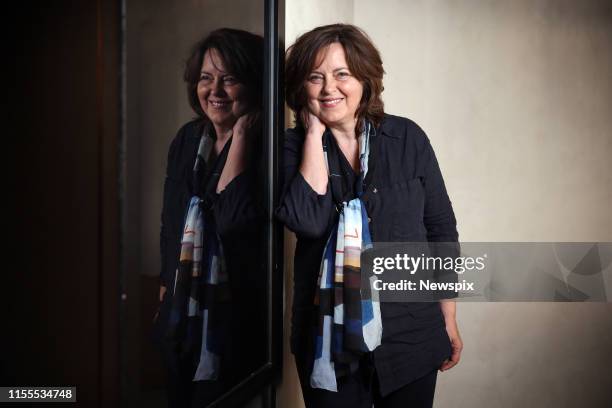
pixel 456 348
pixel 244 123
pixel 447 365
pixel 453 361
pixel 311 122
pixel 162 291
pixel 450 363
pixel 253 118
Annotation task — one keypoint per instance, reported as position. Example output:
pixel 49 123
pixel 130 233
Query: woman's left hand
pixel 245 122
pixel 456 345
pixel 244 132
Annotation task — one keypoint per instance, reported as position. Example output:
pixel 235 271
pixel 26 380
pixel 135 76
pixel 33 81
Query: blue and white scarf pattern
pixel 201 283
pixel 349 323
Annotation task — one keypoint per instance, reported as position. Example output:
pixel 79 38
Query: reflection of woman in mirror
pixel 210 224
pixel 348 166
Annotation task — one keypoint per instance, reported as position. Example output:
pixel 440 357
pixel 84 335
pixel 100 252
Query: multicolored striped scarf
pixel 198 320
pixel 349 321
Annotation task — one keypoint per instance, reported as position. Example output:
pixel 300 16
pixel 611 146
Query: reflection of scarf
pixel 201 283
pixel 349 322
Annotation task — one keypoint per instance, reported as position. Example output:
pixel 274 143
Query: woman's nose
pixel 217 87
pixel 329 85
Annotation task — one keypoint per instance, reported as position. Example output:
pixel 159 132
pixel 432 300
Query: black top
pixel 349 177
pixel 236 208
pixel 406 201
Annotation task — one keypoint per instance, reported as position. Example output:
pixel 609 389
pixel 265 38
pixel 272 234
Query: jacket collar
pixel 385 128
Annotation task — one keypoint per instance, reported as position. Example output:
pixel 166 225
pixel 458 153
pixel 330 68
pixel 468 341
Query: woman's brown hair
pixel 363 61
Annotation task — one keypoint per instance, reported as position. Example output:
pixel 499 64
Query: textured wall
pixel 515 97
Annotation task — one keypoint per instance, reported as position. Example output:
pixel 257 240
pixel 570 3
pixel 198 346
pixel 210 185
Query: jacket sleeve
pixel 439 218
pixel 301 209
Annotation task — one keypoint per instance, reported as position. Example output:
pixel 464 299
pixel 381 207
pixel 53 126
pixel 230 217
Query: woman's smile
pixel 330 103
pixel 220 104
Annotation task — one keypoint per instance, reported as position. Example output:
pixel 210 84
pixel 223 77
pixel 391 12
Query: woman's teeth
pixel 219 104
pixel 331 102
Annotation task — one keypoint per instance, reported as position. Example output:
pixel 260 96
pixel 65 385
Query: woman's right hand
pixel 245 123
pixel 312 123
pixel 162 291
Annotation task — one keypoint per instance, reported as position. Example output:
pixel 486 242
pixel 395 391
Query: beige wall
pixel 515 97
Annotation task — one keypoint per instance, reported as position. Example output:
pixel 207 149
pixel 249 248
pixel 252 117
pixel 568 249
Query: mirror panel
pixel 209 330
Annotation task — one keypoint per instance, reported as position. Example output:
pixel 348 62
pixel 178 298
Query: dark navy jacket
pixel 406 201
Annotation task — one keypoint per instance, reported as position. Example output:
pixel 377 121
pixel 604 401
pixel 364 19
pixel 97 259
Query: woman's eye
pixel 343 75
pixel 205 78
pixel 230 80
pixel 316 79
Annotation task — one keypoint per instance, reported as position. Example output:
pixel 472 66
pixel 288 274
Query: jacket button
pixel 375 190
pixel 369 219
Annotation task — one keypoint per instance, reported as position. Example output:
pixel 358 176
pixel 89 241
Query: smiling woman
pixel 347 166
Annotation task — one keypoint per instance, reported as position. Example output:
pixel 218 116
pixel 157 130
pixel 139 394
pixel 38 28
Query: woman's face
pixel 333 92
pixel 222 98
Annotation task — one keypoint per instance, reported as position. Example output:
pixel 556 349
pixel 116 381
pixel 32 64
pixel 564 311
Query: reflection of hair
pixel 242 54
pixel 363 61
